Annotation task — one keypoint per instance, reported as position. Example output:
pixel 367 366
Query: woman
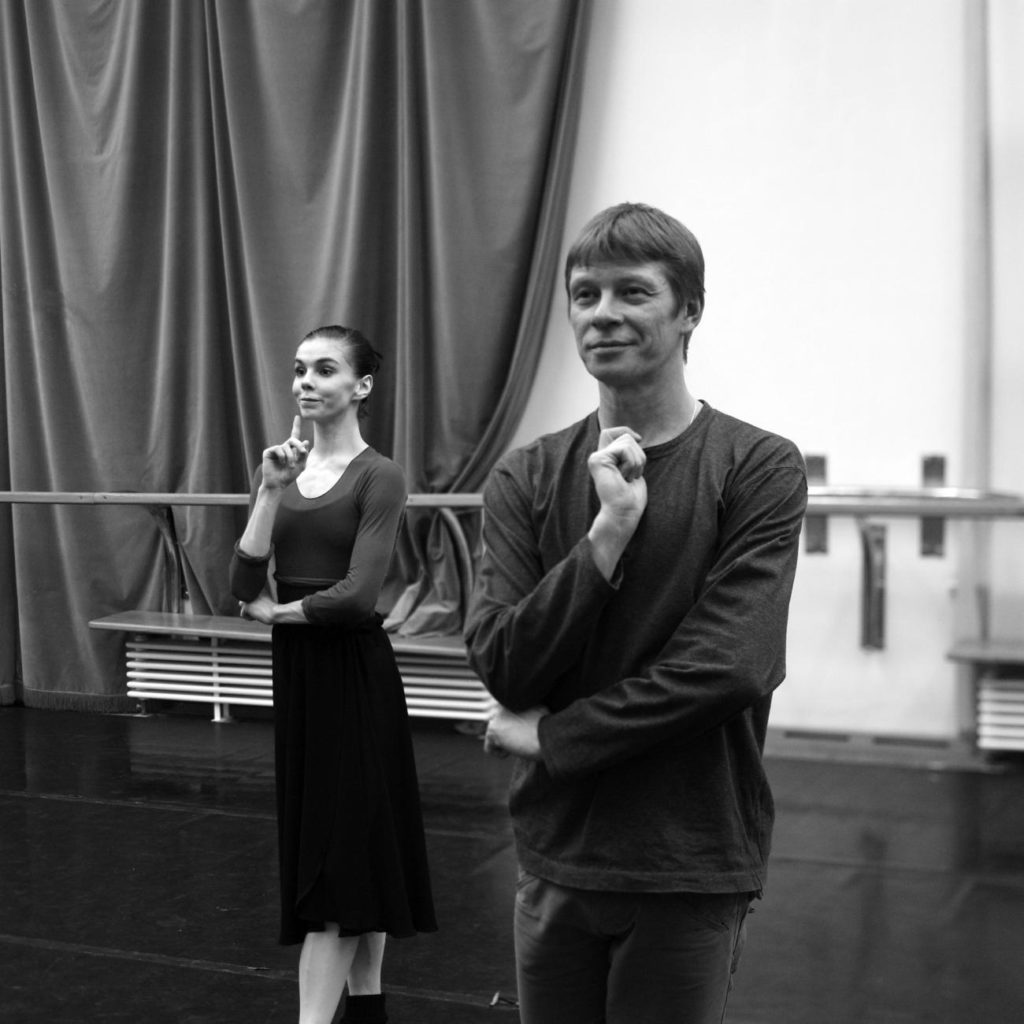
pixel 351 847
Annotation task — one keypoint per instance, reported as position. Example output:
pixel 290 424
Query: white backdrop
pixel 820 151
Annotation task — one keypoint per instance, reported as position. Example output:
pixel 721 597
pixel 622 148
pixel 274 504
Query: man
pixel 630 618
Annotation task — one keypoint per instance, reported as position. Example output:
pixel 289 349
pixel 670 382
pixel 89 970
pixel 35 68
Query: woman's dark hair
pixel 364 359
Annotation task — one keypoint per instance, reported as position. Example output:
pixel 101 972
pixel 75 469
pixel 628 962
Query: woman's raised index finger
pixel 297 428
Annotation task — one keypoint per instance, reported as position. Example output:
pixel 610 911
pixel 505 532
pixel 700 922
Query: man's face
pixel 627 323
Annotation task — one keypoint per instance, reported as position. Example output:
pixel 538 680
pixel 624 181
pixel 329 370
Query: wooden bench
pixel 221 660
pixel 997 677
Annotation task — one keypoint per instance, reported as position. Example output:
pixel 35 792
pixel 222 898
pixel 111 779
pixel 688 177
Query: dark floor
pixel 137 883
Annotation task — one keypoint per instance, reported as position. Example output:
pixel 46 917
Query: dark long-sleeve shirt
pixel 660 681
pixel 336 548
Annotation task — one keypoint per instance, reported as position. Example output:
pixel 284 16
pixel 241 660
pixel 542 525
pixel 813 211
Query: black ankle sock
pixel 365 1010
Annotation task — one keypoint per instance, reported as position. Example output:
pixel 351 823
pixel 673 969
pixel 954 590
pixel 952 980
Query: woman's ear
pixel 364 386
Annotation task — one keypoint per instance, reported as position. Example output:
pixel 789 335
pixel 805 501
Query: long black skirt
pixel 351 844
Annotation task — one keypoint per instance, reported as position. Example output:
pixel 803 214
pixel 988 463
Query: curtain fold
pixel 436 602
pixel 186 189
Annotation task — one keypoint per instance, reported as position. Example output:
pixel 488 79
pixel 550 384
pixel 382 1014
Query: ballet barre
pixel 224 660
pixel 439 681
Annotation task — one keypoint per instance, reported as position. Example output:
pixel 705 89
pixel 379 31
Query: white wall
pixel 818 150
pixel 1007 84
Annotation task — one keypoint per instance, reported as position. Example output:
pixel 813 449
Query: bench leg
pixel 222 712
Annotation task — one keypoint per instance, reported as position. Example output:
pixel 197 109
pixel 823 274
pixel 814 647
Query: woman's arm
pixel 265 609
pixel 280 466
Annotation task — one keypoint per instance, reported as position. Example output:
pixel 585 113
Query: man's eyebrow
pixel 627 276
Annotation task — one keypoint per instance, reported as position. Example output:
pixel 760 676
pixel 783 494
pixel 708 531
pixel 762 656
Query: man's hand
pixel 617 469
pixel 512 733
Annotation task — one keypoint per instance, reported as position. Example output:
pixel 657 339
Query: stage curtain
pixel 186 189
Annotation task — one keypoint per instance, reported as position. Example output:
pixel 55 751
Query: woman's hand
pixel 265 609
pixel 262 609
pixel 282 463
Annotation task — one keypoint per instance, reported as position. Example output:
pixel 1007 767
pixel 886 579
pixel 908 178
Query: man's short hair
pixel 635 233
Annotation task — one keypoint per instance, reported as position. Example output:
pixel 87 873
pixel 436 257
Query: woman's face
pixel 324 384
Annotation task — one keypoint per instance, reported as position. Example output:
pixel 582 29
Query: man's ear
pixel 692 313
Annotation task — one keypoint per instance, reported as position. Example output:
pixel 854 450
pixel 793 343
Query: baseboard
pixel 933 753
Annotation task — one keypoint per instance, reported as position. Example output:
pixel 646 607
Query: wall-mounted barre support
pixel 872 591
pixel 933 528
pixel 815 526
